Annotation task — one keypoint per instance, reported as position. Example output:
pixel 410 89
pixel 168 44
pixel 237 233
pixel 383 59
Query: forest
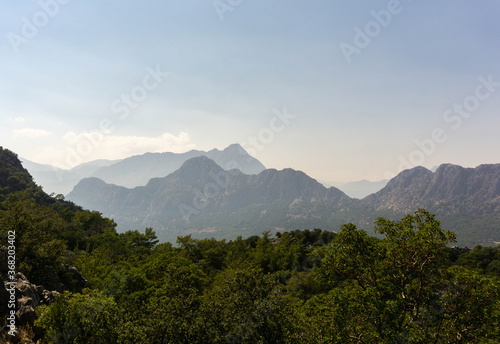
pixel 410 284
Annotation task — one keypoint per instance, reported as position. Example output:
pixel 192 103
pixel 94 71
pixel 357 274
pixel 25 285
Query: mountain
pixel 59 181
pixel 361 189
pixel 450 190
pixel 138 170
pixel 201 197
pixel 466 200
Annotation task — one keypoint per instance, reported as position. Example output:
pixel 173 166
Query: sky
pixel 342 90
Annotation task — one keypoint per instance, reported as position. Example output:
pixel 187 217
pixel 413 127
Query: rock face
pixel 79 282
pixel 450 190
pixel 29 296
pixel 4 297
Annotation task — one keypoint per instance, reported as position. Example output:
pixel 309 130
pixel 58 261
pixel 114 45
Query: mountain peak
pixel 196 170
pixel 200 162
pixel 407 177
pixel 236 157
pixel 236 147
pixel 447 168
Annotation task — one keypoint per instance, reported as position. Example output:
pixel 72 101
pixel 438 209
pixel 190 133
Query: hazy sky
pixel 342 90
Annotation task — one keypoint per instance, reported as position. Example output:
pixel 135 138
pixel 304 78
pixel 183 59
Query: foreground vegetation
pixel 308 286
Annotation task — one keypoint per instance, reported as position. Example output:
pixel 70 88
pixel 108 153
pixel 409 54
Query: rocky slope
pixel 450 190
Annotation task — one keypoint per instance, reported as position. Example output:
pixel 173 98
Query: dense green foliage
pixel 302 287
pixel 401 289
pixel 406 286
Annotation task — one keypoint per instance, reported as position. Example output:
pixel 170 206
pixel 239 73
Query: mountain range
pixel 203 199
pixel 137 170
pixel 60 181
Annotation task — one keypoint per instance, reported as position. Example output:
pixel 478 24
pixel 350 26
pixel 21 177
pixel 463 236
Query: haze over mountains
pixel 362 188
pixel 137 170
pixel 204 199
pixel 226 193
pixel 201 197
pixel 59 181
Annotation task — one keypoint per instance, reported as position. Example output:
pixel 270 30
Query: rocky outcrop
pixel 29 296
pixel 4 297
pixel 78 281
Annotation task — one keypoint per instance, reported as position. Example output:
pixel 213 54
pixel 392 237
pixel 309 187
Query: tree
pixel 381 288
pixel 246 306
pixel 484 259
pixel 468 309
pixel 79 318
pixel 39 250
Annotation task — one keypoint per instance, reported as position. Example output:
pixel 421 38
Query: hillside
pixel 466 200
pixel 40 230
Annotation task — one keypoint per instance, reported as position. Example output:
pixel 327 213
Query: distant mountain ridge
pixel 450 190
pixel 201 197
pixel 137 170
pixel 59 181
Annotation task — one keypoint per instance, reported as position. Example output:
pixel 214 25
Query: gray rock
pixel 29 296
pixel 29 291
pixel 79 281
pixel 26 312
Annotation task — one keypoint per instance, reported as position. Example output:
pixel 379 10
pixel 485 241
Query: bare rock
pixel 78 281
pixel 29 290
pixel 26 312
